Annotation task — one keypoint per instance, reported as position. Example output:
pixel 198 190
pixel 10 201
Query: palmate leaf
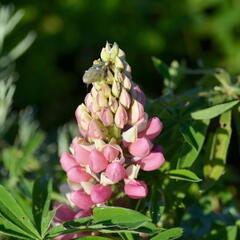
pixel 14 216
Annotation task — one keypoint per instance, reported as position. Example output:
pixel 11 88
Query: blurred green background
pixel 70 34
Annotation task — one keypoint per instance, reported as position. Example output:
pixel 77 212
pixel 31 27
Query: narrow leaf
pixel 183 174
pixel 12 212
pixel 212 112
pixel 41 204
pixel 170 234
pixel 189 135
pixel 189 154
pixel 119 216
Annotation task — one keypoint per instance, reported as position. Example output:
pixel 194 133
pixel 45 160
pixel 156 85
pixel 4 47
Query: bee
pixel 94 73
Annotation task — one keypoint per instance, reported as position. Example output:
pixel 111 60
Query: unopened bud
pixel 113 104
pixel 101 99
pixel 119 63
pixel 136 112
pixel 125 98
pixel 127 82
pixel 121 117
pixel 116 88
pixel 114 51
pixel 95 130
pixel 106 117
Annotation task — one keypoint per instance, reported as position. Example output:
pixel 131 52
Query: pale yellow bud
pixel 116 88
pixel 113 104
pixel 114 51
pixel 127 82
pixel 119 63
pixel 105 56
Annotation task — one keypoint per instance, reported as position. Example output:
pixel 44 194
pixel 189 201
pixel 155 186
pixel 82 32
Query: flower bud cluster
pixel 116 136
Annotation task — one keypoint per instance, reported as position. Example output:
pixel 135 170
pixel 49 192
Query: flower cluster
pixel 116 135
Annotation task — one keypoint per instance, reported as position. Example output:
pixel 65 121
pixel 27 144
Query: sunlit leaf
pixel 214 111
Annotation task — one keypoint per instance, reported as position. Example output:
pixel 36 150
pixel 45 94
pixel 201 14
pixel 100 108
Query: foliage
pixel 194 196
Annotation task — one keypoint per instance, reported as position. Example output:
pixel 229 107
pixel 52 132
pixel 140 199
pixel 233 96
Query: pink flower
pixel 153 129
pixel 78 174
pixel 81 199
pixel 100 193
pixel 140 148
pixel 154 160
pixel 97 161
pixel 110 153
pixel 135 189
pixel 115 172
pixel 67 161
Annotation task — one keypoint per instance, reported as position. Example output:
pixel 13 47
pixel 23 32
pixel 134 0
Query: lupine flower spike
pixel 115 141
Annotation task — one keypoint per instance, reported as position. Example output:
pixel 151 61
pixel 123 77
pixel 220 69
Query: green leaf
pixel 188 155
pixel 170 234
pixel 41 203
pixel 212 112
pixel 119 216
pixel 216 150
pixel 183 174
pixel 108 220
pixel 10 229
pixel 70 227
pixel 12 212
pixel 126 236
pixel 189 134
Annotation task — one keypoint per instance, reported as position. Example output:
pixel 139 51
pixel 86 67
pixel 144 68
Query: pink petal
pixel 77 175
pixel 153 129
pixel 115 172
pixel 154 160
pixel 63 213
pixel 81 154
pixel 135 189
pixel 67 161
pixel 100 193
pixel 110 153
pixel 97 161
pixel 140 148
pixel 81 199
